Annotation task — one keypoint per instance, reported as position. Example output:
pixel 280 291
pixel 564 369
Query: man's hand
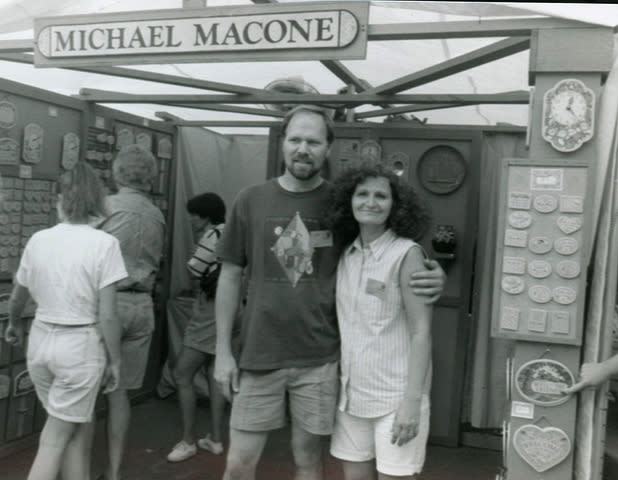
pixel 111 377
pixel 226 375
pixel 429 283
pixel 591 376
pixel 14 335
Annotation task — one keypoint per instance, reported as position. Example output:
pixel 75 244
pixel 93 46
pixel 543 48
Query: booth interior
pixel 460 171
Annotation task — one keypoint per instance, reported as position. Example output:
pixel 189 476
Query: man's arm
pixel 111 331
pixel 14 333
pixel 226 308
pixel 429 283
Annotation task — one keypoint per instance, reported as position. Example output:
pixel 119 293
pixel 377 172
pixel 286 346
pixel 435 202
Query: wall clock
pixel 441 169
pixel 568 115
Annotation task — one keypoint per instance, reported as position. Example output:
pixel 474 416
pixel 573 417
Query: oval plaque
pixel 520 219
pixel 564 295
pixel 539 293
pixel 566 245
pixel 539 269
pixel 512 285
pixel 568 269
pixel 542 381
pixel 540 245
pixel 545 203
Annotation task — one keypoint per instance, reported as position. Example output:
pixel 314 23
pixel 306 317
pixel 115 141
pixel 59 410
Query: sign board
pixel 314 31
pixel 542 251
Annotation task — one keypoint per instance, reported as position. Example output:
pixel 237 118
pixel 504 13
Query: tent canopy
pixel 434 65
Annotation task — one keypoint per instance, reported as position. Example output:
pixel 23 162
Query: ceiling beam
pixel 467 29
pixel 146 76
pixel 228 108
pixel 101 96
pixel 481 56
pixel 406 109
pixel 16 46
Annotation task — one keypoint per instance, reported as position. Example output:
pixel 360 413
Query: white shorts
pixel 357 439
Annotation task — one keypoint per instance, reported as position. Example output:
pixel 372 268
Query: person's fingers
pixel 575 388
pixel 235 381
pixel 395 433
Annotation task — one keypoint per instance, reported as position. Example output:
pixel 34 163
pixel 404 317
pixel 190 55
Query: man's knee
pixel 307 449
pixel 182 377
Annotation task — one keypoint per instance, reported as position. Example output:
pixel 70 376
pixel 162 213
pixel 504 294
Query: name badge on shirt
pixel 321 238
pixel 376 288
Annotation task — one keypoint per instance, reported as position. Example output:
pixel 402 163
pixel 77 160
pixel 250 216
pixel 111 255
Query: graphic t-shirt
pixel 289 320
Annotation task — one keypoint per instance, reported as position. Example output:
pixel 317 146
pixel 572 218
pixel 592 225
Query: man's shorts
pixel 357 439
pixel 136 312
pixel 66 366
pixel 260 405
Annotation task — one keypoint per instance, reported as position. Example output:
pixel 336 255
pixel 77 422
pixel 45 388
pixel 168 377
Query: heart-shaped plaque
pixel 541 448
pixel 569 224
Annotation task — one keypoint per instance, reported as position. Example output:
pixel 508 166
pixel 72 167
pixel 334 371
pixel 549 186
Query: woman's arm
pixel 14 333
pixel 111 331
pixel 418 315
pixel 594 374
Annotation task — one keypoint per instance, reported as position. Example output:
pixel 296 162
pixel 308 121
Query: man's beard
pixel 304 173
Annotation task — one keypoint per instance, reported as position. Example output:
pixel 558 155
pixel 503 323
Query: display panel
pixel 542 252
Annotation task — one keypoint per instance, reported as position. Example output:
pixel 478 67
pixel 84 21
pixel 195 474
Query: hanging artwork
pixel 164 148
pixel 144 140
pixel 542 381
pixel 541 448
pixel 9 151
pixel 8 114
pixel 124 137
pixel 70 150
pixel 370 152
pixel 33 143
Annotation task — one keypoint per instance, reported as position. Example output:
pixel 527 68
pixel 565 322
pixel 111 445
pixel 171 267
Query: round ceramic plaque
pixel 568 269
pixel 539 293
pixel 542 381
pixel 545 203
pixel 566 245
pixel 540 245
pixel 520 219
pixel 441 169
pixel 512 285
pixel 539 269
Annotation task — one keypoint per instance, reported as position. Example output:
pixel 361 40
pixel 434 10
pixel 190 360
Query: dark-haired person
pixel 140 227
pixel 71 271
pixel 382 422
pixel 289 337
pixel 207 214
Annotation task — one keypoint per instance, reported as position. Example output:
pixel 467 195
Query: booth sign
pixel 325 30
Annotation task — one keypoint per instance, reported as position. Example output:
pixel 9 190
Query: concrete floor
pixel 155 429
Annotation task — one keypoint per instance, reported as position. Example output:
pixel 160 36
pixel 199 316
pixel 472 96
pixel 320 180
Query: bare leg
pixel 217 406
pixel 244 453
pixel 189 361
pixel 118 419
pixel 359 470
pixel 307 450
pixel 76 458
pixel 54 438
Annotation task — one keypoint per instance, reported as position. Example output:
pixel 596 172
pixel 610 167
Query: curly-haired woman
pixel 383 418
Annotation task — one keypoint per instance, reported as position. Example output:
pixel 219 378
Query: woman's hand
pixel 406 422
pixel 111 377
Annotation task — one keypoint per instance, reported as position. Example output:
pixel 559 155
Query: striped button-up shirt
pixel 375 340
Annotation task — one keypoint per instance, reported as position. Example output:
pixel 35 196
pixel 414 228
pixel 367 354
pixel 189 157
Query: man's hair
pixel 328 122
pixel 135 167
pixel 207 205
pixel 82 195
pixel 408 216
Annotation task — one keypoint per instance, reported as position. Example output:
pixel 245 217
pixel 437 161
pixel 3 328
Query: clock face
pixel 568 115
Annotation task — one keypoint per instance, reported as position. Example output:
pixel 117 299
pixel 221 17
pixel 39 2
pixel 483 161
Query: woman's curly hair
pixel 408 217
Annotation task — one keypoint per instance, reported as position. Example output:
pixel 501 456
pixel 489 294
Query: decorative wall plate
pixel 144 140
pixel 541 448
pixel 33 143
pixel 9 151
pixel 164 148
pixel 370 152
pixel 520 219
pixel 8 114
pixel 399 163
pixel 441 169
pixel 569 224
pixel 541 382
pixel 70 150
pixel 124 137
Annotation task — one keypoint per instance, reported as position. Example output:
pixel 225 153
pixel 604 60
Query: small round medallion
pixel 539 269
pixel 540 245
pixel 545 203
pixel 568 269
pixel 564 295
pixel 539 293
pixel 566 245
pixel 520 219
pixel 512 285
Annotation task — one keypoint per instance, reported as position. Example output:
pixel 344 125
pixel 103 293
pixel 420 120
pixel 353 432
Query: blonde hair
pixel 135 167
